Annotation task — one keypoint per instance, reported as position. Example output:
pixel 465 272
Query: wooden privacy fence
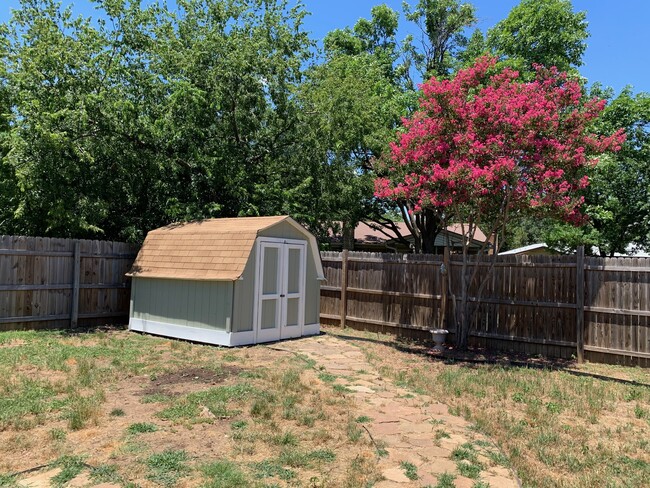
pixel 563 306
pixel 54 283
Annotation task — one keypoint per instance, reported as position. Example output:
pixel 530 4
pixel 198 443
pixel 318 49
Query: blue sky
pixel 617 53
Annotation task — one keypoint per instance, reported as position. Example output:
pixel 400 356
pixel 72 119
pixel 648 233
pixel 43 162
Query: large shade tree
pixel 442 24
pixel 546 32
pixel 351 104
pixel 484 145
pixel 618 198
pixel 147 115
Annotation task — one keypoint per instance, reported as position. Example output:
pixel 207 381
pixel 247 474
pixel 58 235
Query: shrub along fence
pixel 54 283
pixel 563 306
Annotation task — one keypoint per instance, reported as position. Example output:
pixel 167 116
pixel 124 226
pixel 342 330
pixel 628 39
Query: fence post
pixel 344 287
pixel 580 302
pixel 74 312
pixel 443 288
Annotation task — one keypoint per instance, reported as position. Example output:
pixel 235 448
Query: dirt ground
pixel 317 423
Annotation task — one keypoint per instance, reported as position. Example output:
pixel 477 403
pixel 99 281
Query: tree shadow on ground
pixel 477 357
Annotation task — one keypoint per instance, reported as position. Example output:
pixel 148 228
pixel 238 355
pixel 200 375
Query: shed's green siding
pixel 245 287
pixel 203 304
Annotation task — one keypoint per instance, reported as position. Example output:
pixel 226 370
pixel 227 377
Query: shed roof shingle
pixel 213 249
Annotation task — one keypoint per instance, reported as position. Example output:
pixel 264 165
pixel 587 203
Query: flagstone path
pixel 403 425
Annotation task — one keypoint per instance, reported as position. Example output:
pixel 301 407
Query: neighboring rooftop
pixel 371 234
pixel 530 249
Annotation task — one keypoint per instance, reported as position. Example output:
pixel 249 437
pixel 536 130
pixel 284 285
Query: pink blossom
pixel 482 135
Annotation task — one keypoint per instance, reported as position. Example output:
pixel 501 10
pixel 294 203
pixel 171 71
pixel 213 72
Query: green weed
pixel 167 467
pixel 71 467
pixel 353 431
pixel 82 410
pixel 322 455
pixel 238 425
pixel 285 439
pixel 223 474
pixel 446 480
pixel 441 434
pixel 271 468
pixel 294 458
pixel 326 377
pixel 481 484
pixel 58 435
pixel 141 428
pixel 341 389
pixel 8 481
pixel 105 473
pixel 639 412
pixel 410 470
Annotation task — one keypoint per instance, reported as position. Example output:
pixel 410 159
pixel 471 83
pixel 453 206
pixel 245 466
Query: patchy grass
pixel 105 473
pixel 224 474
pixel 141 428
pixel 167 467
pixel 327 377
pixel 446 480
pixel 8 481
pixel 410 470
pixel 554 428
pixel 70 466
pixel 149 411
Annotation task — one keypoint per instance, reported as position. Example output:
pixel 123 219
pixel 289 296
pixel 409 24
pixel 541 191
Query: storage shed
pixel 228 281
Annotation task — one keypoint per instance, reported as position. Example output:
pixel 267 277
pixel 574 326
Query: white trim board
pixel 207 336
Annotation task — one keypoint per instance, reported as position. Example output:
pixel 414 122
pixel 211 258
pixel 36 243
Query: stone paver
pixel 406 426
pixel 40 479
pixel 43 479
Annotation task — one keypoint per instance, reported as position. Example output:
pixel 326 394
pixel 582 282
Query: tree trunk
pixel 430 226
pixel 348 236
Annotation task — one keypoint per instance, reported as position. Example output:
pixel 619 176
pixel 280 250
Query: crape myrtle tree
pixel 483 146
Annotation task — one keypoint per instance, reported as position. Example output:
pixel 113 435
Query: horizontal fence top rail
pixel 641 265
pixel 381 257
pixel 60 247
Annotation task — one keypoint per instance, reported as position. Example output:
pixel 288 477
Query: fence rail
pixel 54 283
pixel 589 307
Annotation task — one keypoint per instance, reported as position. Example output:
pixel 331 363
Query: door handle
pixel 282 296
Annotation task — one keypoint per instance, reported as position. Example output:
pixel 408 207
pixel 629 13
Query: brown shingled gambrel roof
pixel 213 249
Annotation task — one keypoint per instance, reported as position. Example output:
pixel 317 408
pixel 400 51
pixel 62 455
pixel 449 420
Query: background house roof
pixel 213 249
pixel 367 234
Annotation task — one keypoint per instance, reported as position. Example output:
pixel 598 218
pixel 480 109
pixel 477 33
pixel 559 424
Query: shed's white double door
pixel 280 289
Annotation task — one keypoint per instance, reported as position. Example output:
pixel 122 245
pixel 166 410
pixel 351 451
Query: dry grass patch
pixel 144 411
pixel 555 428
